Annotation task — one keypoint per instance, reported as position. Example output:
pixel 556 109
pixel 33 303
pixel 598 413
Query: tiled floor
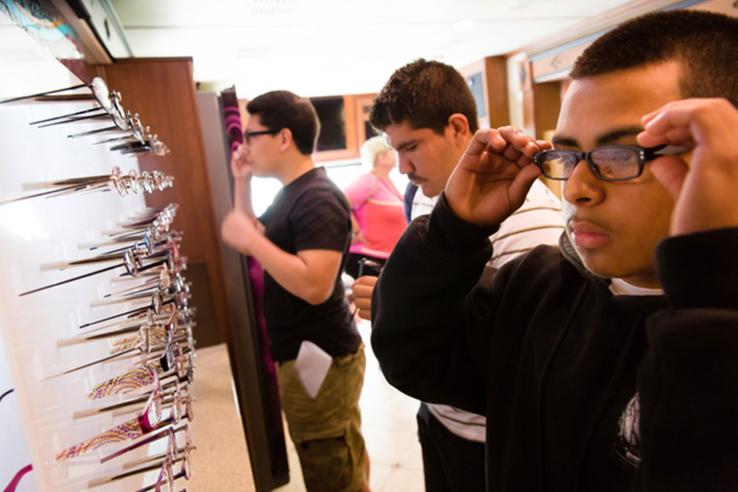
pixel 218 464
pixel 390 432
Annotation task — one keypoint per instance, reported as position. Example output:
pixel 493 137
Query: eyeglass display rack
pixel 54 229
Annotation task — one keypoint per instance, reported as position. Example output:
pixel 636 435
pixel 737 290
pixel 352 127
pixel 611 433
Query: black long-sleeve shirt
pixel 553 359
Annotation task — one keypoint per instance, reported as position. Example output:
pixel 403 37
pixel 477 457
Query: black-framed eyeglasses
pixel 247 135
pixel 607 163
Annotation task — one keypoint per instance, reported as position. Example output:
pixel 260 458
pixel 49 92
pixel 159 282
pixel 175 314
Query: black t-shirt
pixel 309 213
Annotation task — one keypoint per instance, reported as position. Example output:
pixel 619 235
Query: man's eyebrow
pixel 565 141
pixel 618 133
pixel 404 145
pixel 604 139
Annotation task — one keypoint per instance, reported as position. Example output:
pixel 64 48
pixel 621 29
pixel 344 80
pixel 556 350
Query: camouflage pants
pixel 327 430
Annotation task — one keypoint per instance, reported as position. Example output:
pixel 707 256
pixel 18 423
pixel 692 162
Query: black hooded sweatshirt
pixel 583 390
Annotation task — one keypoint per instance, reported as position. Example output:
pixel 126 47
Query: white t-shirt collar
pixel 620 287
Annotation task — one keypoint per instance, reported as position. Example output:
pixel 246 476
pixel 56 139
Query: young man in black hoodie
pixel 611 362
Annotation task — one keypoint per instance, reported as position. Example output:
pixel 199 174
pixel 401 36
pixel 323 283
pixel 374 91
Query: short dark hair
pixel 283 109
pixel 424 94
pixel 705 44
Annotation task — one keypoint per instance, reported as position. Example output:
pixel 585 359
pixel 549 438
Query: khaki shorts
pixel 327 430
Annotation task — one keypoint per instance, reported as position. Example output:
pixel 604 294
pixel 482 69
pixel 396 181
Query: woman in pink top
pixel 377 207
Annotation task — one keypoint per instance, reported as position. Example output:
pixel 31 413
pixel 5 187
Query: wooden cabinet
pixel 487 80
pixel 363 104
pixel 164 92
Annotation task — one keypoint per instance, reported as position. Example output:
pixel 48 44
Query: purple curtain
pixel 273 413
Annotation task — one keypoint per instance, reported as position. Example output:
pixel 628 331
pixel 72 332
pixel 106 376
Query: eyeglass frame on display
pixel 145 422
pixel 146 440
pixel 167 460
pixel 122 183
pixel 134 266
pixel 171 390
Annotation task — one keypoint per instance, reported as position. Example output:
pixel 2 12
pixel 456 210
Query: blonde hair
pixel 372 148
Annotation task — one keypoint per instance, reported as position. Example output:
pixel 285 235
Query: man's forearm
pixel 242 196
pixel 288 270
pixel 421 323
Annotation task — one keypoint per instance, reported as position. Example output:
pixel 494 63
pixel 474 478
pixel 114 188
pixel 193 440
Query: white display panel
pixel 14 453
pixel 37 419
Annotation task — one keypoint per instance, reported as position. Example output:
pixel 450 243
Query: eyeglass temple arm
pixel 68 115
pixel 121 329
pixel 147 285
pixel 156 435
pixel 57 122
pixel 62 282
pixel 41 94
pixel 119 315
pixel 94 132
pixel 133 296
pixel 179 456
pixel 145 268
pixel 154 485
pixel 112 255
pixel 56 191
pixel 83 180
pixel 110 140
pixel 62 265
pixel 91 246
pixel 66 342
pixel 90 364
pixel 130 473
pixel 118 408
pixel 80 414
pixel 131 323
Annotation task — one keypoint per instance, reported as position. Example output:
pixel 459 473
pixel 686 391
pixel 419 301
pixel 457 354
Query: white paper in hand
pixel 312 365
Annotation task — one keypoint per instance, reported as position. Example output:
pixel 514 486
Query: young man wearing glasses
pixel 611 362
pixel 302 243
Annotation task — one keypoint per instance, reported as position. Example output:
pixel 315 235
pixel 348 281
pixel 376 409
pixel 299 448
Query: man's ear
pixel 285 139
pixel 459 125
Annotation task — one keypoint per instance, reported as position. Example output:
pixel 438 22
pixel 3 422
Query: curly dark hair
pixel 424 94
pixel 705 44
